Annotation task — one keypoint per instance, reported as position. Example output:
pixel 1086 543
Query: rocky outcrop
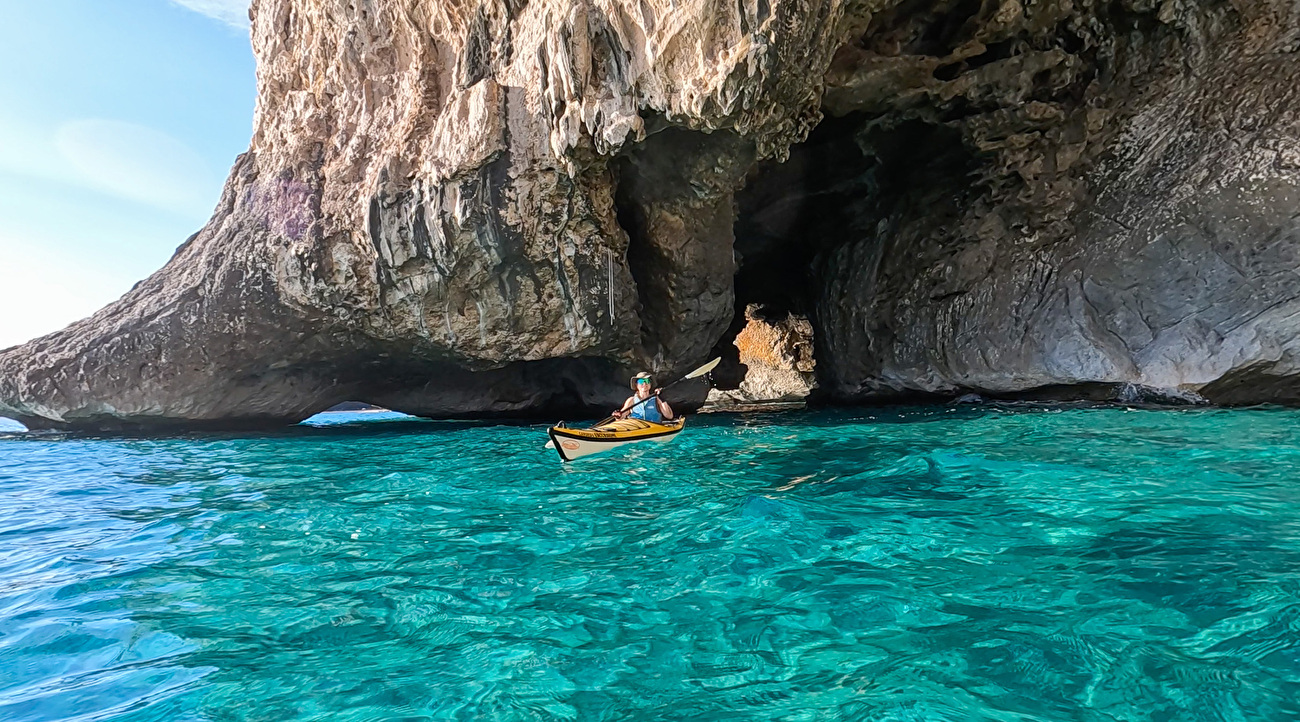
pixel 502 208
pixel 775 355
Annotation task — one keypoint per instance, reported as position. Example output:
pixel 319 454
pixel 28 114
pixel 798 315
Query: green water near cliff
pixel 913 564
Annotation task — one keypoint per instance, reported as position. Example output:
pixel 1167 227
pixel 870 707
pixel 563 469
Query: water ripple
pixel 916 564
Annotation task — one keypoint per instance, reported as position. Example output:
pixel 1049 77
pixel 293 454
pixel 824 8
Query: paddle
pixel 697 372
pixel 692 375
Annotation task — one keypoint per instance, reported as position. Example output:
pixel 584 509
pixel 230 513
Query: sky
pixel 119 120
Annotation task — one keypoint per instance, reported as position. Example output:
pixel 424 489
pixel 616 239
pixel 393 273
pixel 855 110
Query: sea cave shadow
pixel 858 464
pixel 824 416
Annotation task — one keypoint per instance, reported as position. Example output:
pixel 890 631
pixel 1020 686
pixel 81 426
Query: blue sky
pixel 119 120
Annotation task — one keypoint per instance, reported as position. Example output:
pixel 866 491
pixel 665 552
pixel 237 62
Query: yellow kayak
pixel 576 443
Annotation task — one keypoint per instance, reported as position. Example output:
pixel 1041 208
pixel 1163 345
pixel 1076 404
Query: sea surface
pixel 902 564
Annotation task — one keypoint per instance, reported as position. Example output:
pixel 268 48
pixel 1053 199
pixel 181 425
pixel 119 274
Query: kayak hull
pixel 573 444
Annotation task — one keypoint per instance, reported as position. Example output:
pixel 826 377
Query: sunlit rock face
pixel 462 208
pixel 775 362
pixel 426 218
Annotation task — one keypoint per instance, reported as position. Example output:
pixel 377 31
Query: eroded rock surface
pixel 776 356
pixel 1129 210
pixel 456 208
pixel 426 218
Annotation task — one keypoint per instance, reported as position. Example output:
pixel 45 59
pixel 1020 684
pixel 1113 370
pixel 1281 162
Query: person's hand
pixel 656 393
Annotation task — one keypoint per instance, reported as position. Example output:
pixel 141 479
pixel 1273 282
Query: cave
pixel 530 389
pixel 841 187
pixel 675 200
pixel 718 241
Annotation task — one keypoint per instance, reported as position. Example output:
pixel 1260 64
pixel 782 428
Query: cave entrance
pixel 841 186
pixel 355 412
pixel 757 268
pixel 791 211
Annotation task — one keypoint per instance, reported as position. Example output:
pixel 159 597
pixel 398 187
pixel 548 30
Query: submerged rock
pixel 502 208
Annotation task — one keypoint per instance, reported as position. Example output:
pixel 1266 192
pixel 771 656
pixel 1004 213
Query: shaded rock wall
pixel 1129 214
pixel 1005 197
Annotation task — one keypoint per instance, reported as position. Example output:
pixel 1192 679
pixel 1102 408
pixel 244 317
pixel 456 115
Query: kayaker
pixel 645 404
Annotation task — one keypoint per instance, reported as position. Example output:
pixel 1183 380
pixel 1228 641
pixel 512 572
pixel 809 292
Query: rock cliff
pixel 1113 198
pixel 478 207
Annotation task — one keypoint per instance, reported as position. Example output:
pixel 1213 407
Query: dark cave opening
pixel 858 179
pixel 854 180
pixel 789 212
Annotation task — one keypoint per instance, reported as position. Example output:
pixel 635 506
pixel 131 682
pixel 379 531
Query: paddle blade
pixel 703 369
pixel 550 445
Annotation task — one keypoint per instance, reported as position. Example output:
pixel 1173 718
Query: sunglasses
pixel 642 381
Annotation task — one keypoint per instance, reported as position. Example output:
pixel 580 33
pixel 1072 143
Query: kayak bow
pixel 573 444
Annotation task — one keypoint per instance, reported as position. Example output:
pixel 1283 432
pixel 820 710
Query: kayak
pixel 576 443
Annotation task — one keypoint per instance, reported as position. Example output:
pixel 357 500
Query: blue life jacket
pixel 648 410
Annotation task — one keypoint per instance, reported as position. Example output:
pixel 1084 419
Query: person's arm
pixel 627 405
pixel 665 410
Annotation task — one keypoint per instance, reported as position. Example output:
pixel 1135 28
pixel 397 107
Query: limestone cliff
pixel 473 207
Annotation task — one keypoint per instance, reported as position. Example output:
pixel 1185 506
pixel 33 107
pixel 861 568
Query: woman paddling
pixel 645 404
pixel 571 443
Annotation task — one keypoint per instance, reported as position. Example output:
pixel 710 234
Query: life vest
pixel 648 410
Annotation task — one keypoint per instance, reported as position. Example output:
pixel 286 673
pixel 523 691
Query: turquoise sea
pixel 901 564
